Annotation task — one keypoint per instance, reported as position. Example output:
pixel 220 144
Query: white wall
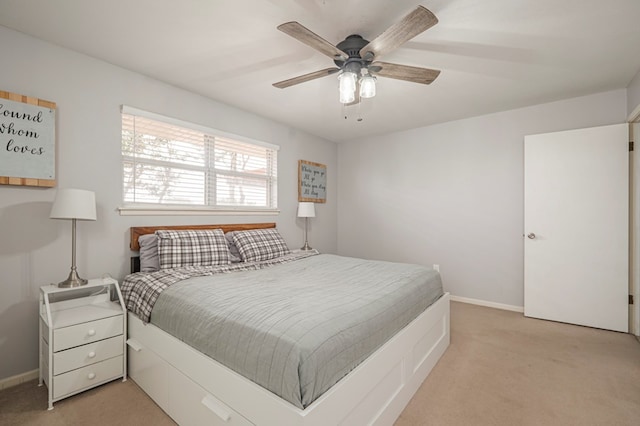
pixel 452 194
pixel 36 251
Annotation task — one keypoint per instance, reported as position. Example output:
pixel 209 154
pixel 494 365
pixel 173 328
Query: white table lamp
pixel 306 210
pixel 74 204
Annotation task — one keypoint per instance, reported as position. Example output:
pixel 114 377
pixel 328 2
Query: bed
pixel 294 371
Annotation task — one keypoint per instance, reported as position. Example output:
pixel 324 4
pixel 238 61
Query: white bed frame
pixel 194 389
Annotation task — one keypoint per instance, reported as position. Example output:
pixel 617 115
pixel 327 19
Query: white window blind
pixel 173 163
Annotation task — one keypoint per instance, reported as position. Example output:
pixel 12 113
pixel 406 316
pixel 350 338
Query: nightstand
pixel 82 337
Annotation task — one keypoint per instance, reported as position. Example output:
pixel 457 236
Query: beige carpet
pixel 505 369
pixel 501 369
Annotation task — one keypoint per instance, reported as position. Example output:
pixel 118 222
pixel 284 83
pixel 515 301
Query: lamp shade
pixel 306 209
pixel 74 204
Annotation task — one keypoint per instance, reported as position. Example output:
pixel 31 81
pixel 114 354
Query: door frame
pixel 634 224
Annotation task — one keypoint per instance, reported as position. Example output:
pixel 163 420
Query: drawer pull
pixel 92 354
pixel 91 376
pixel 134 344
pixel 213 405
pixel 91 332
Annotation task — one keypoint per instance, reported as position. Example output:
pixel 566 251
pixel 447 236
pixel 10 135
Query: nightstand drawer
pixel 80 356
pixel 87 377
pixel 81 334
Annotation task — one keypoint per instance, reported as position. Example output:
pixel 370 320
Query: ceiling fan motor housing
pixel 351 46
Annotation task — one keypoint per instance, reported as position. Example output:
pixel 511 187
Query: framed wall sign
pixel 312 182
pixel 27 141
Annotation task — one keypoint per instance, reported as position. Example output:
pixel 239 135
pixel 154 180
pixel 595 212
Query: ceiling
pixel 494 55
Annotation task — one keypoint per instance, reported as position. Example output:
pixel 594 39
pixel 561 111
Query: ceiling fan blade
pixel 308 37
pixel 405 72
pixel 306 77
pixel 421 19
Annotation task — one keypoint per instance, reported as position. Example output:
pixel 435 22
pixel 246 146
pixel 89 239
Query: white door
pixel 576 239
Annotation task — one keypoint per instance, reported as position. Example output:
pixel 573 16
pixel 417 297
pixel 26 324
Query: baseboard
pixel 17 379
pixel 502 306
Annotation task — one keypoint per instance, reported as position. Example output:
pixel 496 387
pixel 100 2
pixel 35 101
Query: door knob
pixel 531 236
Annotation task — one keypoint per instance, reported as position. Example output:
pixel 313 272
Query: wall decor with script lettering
pixel 312 182
pixel 27 141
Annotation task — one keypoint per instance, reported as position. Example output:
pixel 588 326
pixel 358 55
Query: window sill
pixel 192 211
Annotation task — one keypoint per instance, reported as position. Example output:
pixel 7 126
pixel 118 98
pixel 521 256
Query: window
pixel 168 162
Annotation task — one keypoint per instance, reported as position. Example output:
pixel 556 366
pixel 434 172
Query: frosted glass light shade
pixel 306 209
pixel 74 204
pixel 347 97
pixel 347 87
pixel 367 86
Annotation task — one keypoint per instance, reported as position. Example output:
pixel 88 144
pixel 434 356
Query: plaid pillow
pixel 192 248
pixel 260 244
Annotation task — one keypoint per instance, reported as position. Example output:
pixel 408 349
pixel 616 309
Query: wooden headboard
pixel 137 231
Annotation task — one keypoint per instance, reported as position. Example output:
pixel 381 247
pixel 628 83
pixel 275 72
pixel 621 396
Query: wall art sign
pixel 312 182
pixel 27 141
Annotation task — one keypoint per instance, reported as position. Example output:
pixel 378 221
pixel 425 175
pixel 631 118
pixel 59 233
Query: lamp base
pixel 306 247
pixel 73 281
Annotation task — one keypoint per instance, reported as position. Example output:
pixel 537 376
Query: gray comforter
pixel 297 328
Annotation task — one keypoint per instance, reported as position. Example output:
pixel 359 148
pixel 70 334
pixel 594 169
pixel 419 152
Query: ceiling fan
pixel 356 58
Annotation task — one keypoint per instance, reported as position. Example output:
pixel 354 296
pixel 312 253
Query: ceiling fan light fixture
pixel 367 86
pixel 347 87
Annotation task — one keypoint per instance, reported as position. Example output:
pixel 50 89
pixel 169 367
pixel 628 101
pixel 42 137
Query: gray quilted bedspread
pixel 296 329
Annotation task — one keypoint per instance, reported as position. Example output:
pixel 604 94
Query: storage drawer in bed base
pixel 185 401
